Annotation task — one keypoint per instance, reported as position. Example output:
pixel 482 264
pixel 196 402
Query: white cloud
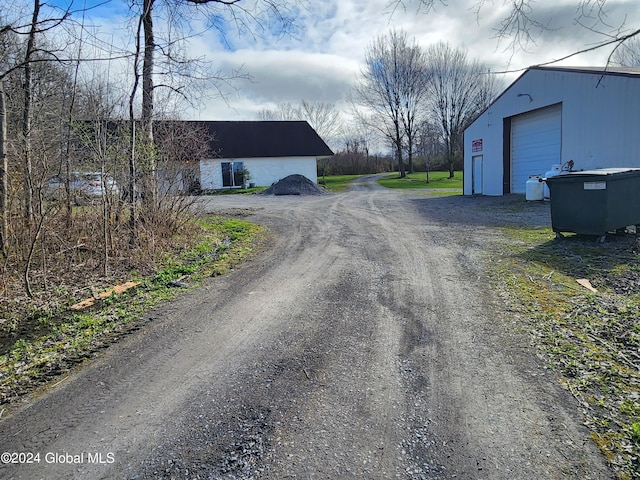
pixel 323 64
pixel 321 61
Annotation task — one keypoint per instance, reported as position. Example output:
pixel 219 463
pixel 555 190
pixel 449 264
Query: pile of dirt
pixel 294 185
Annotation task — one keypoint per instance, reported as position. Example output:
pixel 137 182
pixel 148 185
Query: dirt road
pixel 365 342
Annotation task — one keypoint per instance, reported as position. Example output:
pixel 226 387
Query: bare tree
pixel 325 119
pixel 627 54
pixel 414 77
pixel 282 111
pixel 35 27
pixel 10 63
pixel 7 51
pixel 4 186
pixel 391 89
pixel 355 157
pixel 26 116
pixel 180 146
pixel 352 159
pixel 246 18
pixel 429 145
pixel 458 89
pixel 101 144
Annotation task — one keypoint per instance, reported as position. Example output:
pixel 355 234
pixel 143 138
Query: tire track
pixel 363 344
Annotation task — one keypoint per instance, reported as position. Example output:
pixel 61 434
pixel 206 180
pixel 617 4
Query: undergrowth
pixel 592 339
pixel 52 338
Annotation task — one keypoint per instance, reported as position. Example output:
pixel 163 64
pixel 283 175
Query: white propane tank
pixel 555 170
pixel 535 188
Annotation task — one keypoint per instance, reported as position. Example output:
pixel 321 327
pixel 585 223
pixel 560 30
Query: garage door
pixel 535 144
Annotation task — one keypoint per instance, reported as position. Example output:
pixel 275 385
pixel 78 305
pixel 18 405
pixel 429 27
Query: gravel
pixel 365 341
pixel 294 185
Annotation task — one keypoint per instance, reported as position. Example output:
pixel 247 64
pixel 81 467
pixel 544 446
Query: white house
pixel 267 150
pixel 549 116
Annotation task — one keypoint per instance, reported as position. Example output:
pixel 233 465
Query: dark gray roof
pixel 251 139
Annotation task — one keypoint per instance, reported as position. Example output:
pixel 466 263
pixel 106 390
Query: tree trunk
pixel 4 190
pixel 401 169
pixel 65 160
pixel 410 152
pixel 147 70
pixel 451 155
pixel 133 167
pixel 26 117
pixel 398 144
pixel 133 213
pixel 149 173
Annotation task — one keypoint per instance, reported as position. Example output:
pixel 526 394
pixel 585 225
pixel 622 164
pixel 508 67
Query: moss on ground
pixel 50 341
pixel 592 339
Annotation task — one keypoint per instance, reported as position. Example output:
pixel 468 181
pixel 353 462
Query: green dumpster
pixel 594 202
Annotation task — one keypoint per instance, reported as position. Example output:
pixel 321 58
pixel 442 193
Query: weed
pixel 591 339
pixel 337 183
pixel 635 433
pixel 63 338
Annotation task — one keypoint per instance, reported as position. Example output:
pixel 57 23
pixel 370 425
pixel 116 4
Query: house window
pixel 232 174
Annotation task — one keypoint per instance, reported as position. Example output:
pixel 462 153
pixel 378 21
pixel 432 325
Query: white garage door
pixel 535 144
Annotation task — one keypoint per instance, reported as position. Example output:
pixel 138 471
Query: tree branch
pixel 618 40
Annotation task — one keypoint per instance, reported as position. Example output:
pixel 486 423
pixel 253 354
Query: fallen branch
pixel 586 284
pixel 101 296
pixel 613 350
pixel 75 247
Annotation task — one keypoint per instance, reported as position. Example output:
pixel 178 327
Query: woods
pixel 420 101
pixel 76 110
pixel 87 191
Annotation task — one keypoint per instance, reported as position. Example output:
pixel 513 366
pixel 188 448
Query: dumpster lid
pixel 601 172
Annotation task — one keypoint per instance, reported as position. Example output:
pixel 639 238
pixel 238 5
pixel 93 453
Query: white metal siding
pixel 263 171
pixel 600 118
pixel 536 140
pixel 210 174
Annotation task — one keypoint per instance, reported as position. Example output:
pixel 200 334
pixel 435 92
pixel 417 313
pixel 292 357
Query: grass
pixel 590 339
pixel 418 180
pixel 337 183
pixel 236 191
pixel 437 180
pixel 63 338
pixel 340 183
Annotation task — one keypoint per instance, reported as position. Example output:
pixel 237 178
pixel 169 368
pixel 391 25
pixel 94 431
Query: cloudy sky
pixel 321 58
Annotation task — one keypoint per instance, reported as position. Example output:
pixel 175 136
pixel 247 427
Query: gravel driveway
pixel 364 341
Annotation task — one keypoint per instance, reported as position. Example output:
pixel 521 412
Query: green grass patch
pixel 337 183
pixel 236 191
pixel 591 339
pixel 419 180
pixel 63 337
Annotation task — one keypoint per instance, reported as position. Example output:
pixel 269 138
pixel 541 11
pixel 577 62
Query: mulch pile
pixel 294 185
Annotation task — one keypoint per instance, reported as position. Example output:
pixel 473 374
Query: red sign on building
pixel 476 145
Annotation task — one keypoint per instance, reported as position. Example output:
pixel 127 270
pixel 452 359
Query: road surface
pixel 364 341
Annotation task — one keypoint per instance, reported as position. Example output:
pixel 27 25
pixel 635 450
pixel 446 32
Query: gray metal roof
pixel 627 71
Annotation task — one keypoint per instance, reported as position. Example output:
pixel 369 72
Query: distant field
pixel 418 180
pixel 340 183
